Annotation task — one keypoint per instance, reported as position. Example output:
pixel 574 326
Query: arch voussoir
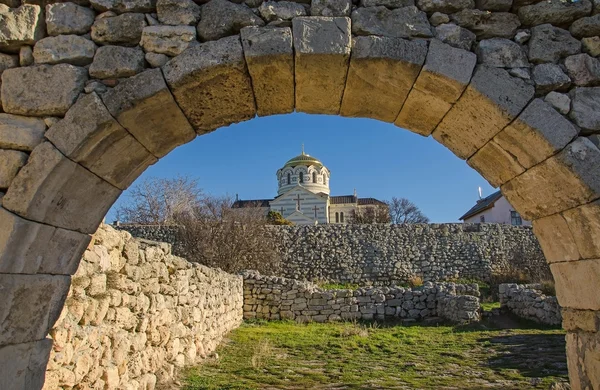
pixel 490 102
pixel 441 82
pixel 382 71
pixel 27 364
pixel 270 59
pixel 211 84
pixel 322 52
pixel 145 107
pixel 90 136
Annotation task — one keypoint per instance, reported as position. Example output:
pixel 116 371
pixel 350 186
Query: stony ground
pixel 286 355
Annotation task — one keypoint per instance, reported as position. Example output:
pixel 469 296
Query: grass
pixel 286 355
pixel 488 306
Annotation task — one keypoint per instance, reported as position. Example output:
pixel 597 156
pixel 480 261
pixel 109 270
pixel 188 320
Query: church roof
pixel 303 159
pixel 482 204
pixel 240 204
pixel 347 199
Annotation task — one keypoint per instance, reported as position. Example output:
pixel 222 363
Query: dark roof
pixel 346 199
pixel 482 204
pixel 240 204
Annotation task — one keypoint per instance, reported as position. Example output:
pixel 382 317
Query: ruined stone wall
pixel 136 313
pixel 274 298
pixel 527 301
pixel 388 254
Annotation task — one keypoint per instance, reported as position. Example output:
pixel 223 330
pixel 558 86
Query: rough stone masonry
pixel 93 92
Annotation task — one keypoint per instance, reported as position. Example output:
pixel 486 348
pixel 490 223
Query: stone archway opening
pixel 371 65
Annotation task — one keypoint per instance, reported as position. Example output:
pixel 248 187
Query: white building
pixel 493 209
pixel 303 195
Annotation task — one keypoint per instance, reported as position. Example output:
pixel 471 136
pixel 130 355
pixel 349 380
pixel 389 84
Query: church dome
pixel 306 171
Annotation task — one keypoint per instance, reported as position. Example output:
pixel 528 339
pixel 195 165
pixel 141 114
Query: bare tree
pixel 403 210
pixel 371 214
pixel 161 200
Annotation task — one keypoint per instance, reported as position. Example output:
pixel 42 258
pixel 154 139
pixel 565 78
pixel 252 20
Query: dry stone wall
pixel 527 301
pixel 388 254
pixel 135 314
pixel 274 298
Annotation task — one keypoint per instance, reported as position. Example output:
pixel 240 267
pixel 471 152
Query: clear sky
pixel 379 159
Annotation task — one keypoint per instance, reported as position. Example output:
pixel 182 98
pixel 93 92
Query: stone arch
pixel 410 65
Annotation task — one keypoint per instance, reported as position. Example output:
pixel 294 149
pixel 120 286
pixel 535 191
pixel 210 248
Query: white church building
pixel 303 195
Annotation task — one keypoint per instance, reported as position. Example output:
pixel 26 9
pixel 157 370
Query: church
pixel 303 195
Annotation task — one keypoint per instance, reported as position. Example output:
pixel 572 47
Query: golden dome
pixel 303 159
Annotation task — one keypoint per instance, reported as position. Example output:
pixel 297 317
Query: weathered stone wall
pixel 136 313
pixel 388 254
pixel 274 298
pixel 527 301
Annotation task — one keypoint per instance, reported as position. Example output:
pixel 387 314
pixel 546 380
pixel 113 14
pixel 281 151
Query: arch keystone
pixel 563 181
pixel 29 247
pixel 54 190
pixel 382 72
pixel 144 106
pixel 90 136
pixel 322 53
pixel 270 59
pixel 211 84
pixel 490 102
pixel 444 77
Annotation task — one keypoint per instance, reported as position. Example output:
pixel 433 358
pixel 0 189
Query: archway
pixel 384 64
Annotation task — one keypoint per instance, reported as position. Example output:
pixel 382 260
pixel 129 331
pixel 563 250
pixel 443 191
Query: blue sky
pixel 379 159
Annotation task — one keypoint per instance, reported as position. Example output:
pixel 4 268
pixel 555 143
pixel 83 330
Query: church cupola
pixel 306 171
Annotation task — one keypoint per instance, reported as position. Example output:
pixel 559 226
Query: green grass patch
pixel 286 355
pixel 488 306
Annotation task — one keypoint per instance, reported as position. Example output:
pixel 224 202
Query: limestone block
pixel 221 18
pixel 10 163
pixel 490 102
pixel 270 61
pixel 24 364
pixel 556 12
pixel 586 320
pixel 556 239
pixel 322 52
pixel 117 62
pixel 583 359
pixel 169 40
pixel 406 22
pixel 549 44
pixel 8 61
pixel 536 134
pixel 20 321
pixel 422 112
pixel 52 189
pixel 64 49
pixel 211 84
pixel 29 247
pixel 501 53
pixel 178 12
pixel 495 164
pixel 332 8
pixel 144 106
pixel 50 91
pixel 20 26
pixel 585 111
pixel 382 72
pixel 68 18
pixel 281 10
pixel 90 136
pixel 576 283
pixel 125 30
pixel 456 36
pixel 20 132
pixel 584 224
pixel 486 24
pixel 561 182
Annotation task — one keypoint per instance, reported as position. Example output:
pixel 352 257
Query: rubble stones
pixel 221 18
pixel 501 53
pixel 444 6
pixel 20 26
pixel 527 301
pixel 64 49
pixel 585 111
pixel 10 163
pixel 387 3
pixel 556 12
pixel 8 61
pixel 455 36
pixel 123 30
pixel 281 10
pixel 550 77
pixel 583 70
pixel 332 8
pixel 404 22
pixel 178 12
pixel 169 40
pixel 20 132
pixel 68 18
pixel 156 60
pixel 560 101
pixel 487 24
pixel 591 46
pixel 549 44
pixel 586 27
pixel 117 62
pixel 122 6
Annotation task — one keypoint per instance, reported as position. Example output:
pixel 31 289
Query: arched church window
pixel 314 177
pixel 301 177
pixel 342 217
pixel 337 217
pixel 289 178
